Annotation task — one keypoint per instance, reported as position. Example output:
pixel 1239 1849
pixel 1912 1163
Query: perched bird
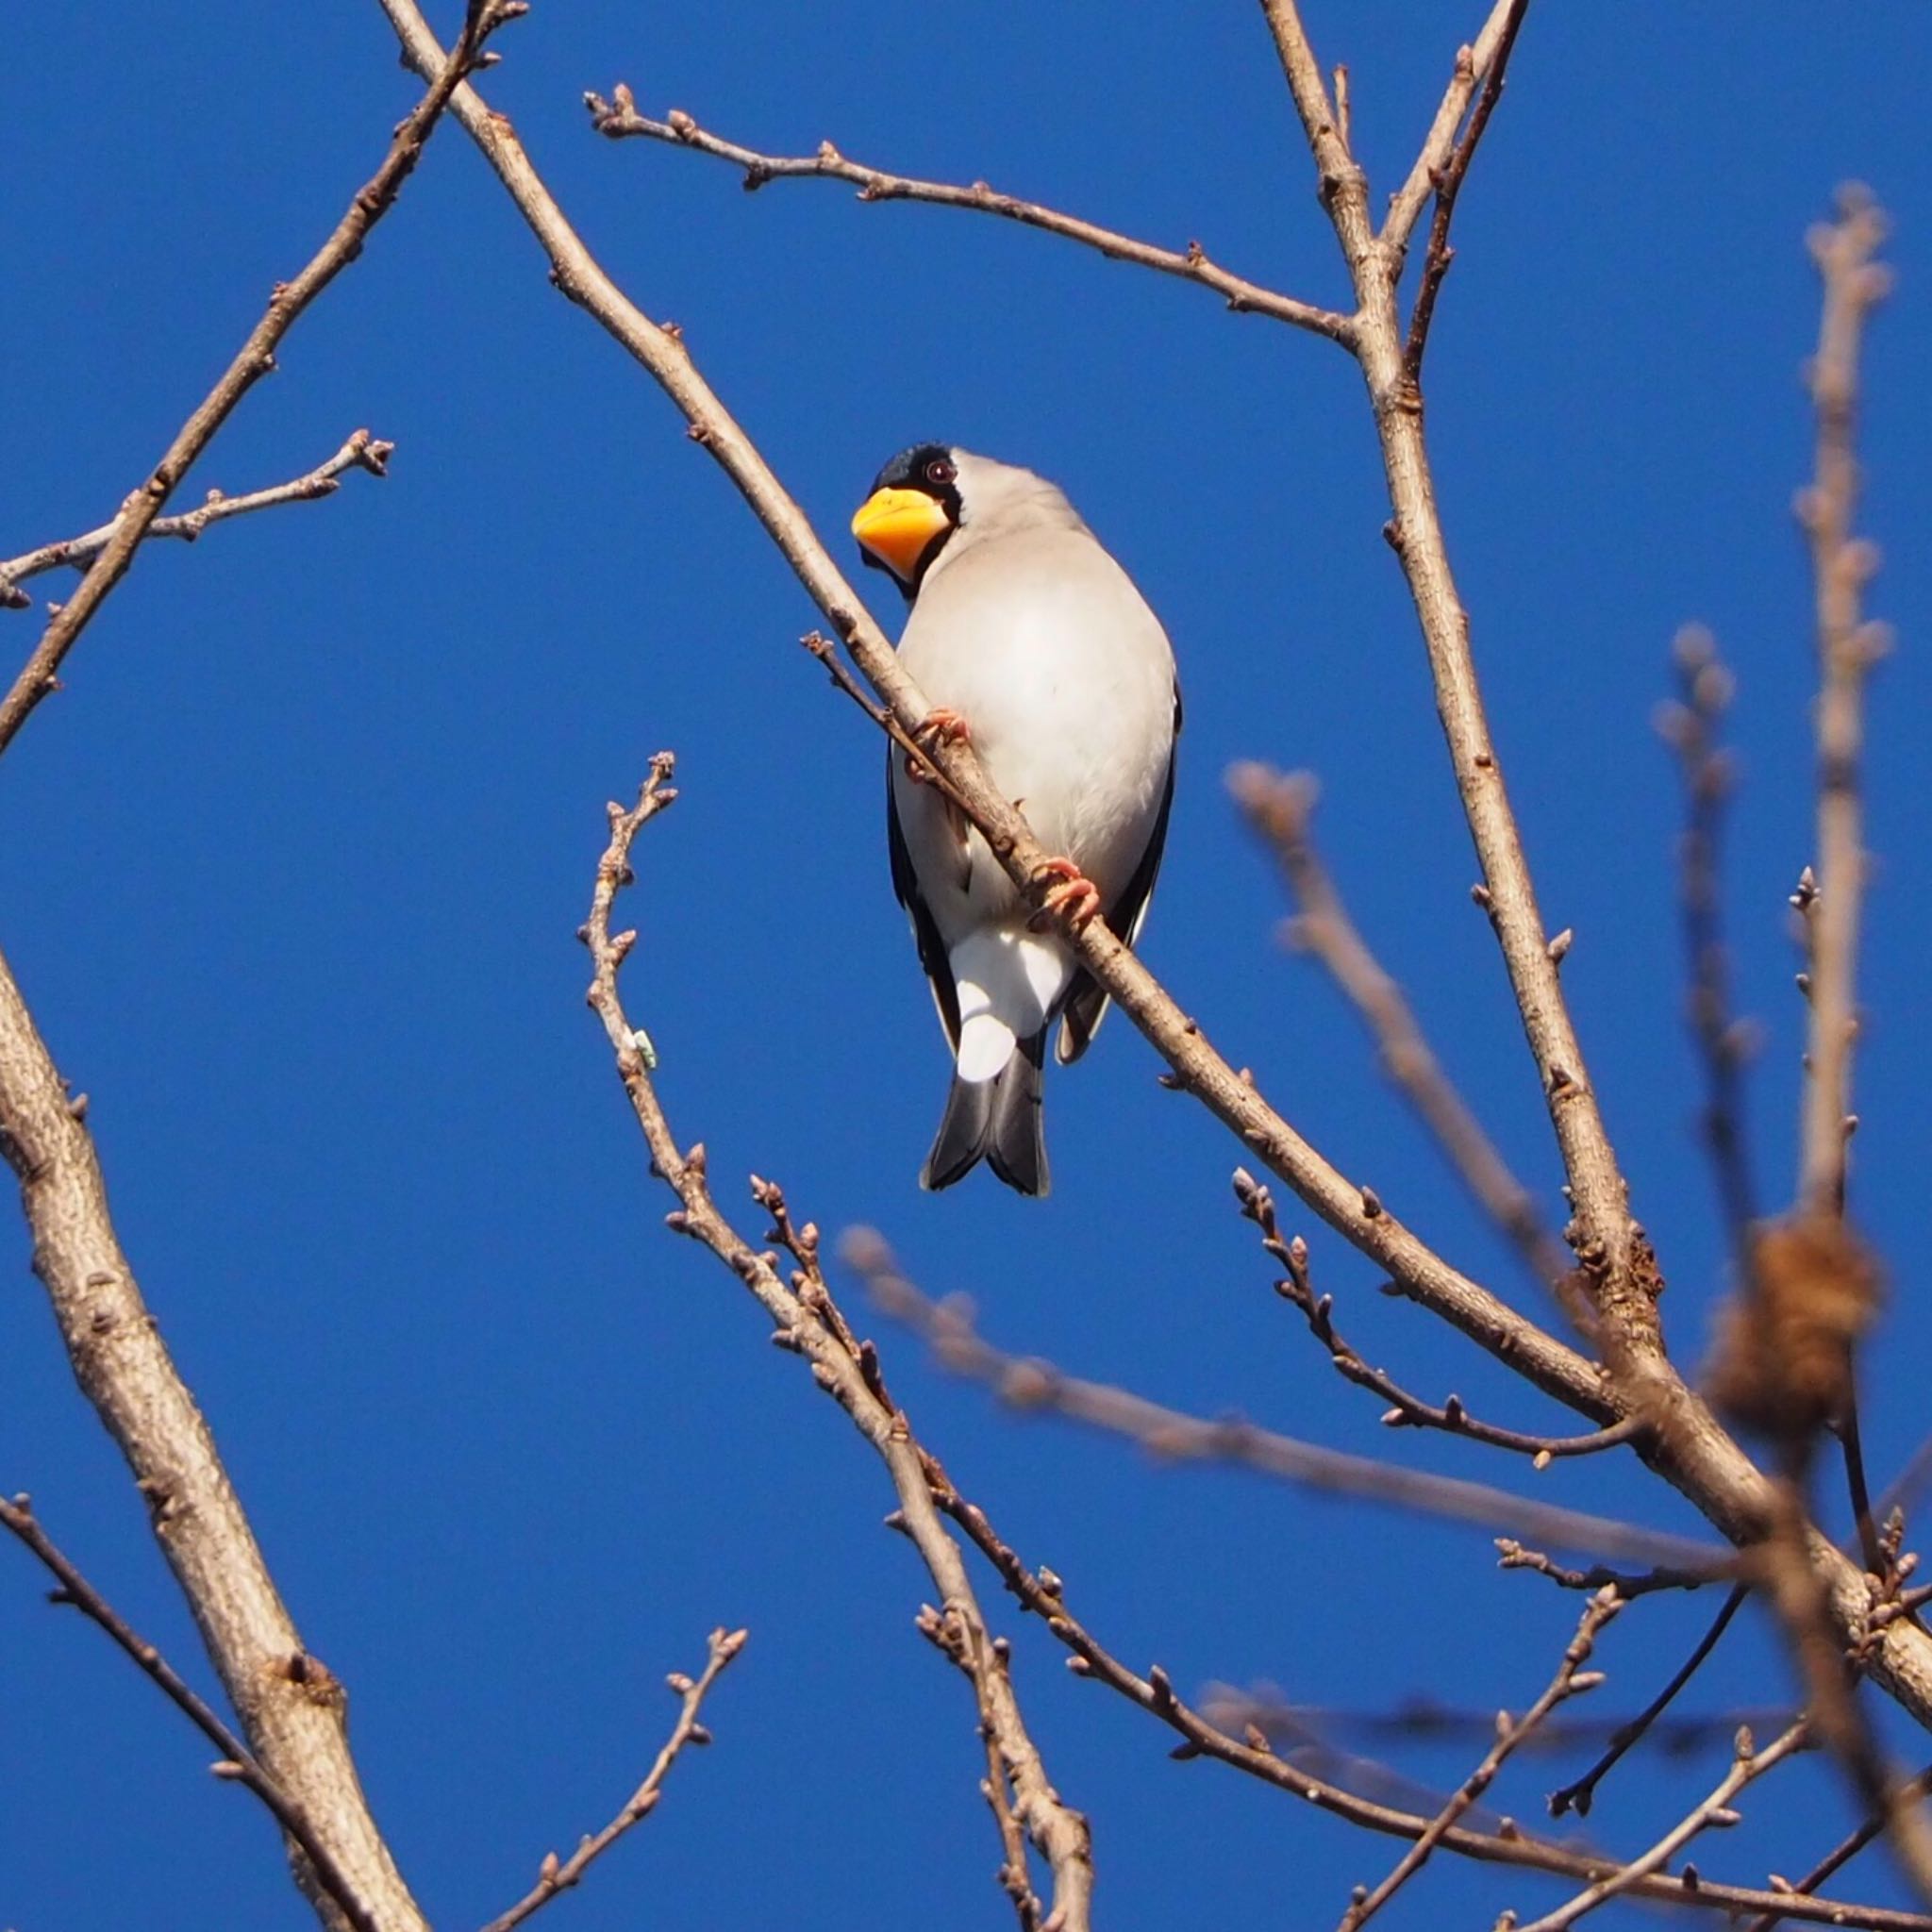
pixel 1032 644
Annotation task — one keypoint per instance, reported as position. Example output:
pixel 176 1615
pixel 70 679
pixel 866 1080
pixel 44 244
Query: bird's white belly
pixel 1066 685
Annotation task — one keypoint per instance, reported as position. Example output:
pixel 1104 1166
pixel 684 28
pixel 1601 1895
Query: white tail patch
pixel 1007 982
pixel 986 1044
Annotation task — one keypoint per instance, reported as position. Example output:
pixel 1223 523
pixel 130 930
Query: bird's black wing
pixel 932 951
pixel 1086 1000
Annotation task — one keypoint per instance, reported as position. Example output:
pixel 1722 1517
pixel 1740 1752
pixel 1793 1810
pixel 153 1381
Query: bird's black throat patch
pixel 929 468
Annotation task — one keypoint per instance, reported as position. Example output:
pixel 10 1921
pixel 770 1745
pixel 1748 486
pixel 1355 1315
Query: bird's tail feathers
pixel 997 1120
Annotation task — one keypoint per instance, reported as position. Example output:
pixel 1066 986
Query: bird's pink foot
pixel 939 726
pixel 1075 899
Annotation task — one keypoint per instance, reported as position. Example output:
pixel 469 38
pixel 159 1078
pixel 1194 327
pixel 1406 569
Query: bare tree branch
pixel 1847 648
pixel 1798 1594
pixel 1473 65
pixel 954 1637
pixel 1513 1555
pixel 553 1876
pixel 1617 1263
pixel 1029 1384
pixel 665 356
pixel 1280 807
pixel 809 1321
pixel 361 452
pixel 619 118
pixel 1637 1395
pixel 1749 1764
pixel 1421 1720
pixel 1691 726
pixel 1042 1593
pixel 1296 1286
pixel 291 1707
pixel 236 1763
pixel 1695 1454
pixel 1844 1852
pixel 1448 184
pixel 1580 1793
pixel 1571 1680
pixel 252 360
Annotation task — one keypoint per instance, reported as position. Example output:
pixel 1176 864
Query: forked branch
pixel 1695 1454
pixel 1043 1592
pixel 236 1763
pixel 619 119
pixel 1447 182
pixel 1571 1680
pixel 361 452
pixel 252 360
pixel 1715 1810
pixel 808 1322
pixel 1618 1267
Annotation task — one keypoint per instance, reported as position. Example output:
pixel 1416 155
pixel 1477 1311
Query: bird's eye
pixel 940 470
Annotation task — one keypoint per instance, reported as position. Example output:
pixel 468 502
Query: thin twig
pixel 1041 1591
pixel 1511 1555
pixel 1840 1854
pixel 1851 1442
pixel 236 1763
pixel 252 360
pixel 1448 185
pixel 1472 64
pixel 1580 1793
pixel 361 452
pixel 807 1322
pixel 619 118
pixel 1749 1764
pixel 1571 1680
pixel 1296 1286
pixel 1902 1492
pixel 555 1876
pixel 955 1638
pixel 1029 1384
pixel 1280 808
pixel 1847 648
pixel 1692 727
pixel 1423 1721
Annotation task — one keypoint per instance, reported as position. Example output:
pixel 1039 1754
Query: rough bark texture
pixel 292 1710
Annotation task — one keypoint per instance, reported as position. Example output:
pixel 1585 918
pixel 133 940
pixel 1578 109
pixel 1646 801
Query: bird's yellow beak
pixel 896 526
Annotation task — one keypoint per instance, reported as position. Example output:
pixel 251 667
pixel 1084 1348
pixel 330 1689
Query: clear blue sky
pixel 291 873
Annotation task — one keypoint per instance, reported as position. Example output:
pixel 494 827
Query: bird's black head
pixel 914 507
